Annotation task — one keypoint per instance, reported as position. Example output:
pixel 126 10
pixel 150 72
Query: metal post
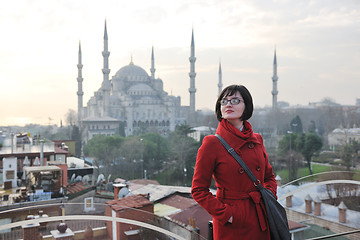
pixel 210 230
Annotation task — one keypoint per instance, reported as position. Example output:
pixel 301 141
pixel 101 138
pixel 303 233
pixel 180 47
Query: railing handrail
pixel 90 217
pixel 334 235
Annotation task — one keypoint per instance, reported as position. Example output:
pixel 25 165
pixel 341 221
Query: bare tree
pixel 71 117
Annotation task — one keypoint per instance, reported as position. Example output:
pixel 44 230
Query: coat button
pixel 251 145
pixel 241 171
pixel 258 168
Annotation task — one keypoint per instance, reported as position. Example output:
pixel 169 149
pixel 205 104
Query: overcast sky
pixel 317 44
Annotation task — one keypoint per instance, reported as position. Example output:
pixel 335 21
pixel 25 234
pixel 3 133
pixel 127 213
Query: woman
pixel 238 211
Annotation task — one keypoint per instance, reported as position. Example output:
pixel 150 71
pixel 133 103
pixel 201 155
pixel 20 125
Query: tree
pixel 346 153
pixel 76 136
pixel 312 126
pixel 288 146
pixel 121 129
pixel 356 148
pixel 132 151
pixel 306 144
pixel 312 144
pixel 71 117
pixel 183 129
pixel 296 125
pixel 156 150
pixel 183 151
pixel 105 150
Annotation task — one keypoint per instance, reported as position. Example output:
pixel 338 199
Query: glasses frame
pixel 233 101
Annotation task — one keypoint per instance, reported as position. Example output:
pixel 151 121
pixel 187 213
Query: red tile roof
pixel 295 225
pixel 76 187
pixel 135 201
pixel 179 202
pixel 201 216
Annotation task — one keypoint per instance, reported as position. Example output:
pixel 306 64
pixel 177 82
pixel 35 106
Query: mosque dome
pixel 131 71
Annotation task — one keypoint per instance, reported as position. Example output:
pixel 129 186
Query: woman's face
pixel 233 112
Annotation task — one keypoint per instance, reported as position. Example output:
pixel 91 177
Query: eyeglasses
pixel 233 101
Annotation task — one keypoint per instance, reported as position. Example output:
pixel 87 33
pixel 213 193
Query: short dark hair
pixel 245 94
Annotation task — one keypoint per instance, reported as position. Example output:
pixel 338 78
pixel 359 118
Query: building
pixel 341 136
pixel 132 100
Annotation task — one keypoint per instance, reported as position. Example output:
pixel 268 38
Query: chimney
pixel 31 231
pixel 289 201
pixel 192 222
pixel 117 188
pixel 317 206
pixel 308 202
pixel 342 212
pixel 278 180
pixel 116 192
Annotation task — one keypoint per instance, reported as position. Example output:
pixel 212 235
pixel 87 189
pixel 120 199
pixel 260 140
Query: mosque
pixel 133 102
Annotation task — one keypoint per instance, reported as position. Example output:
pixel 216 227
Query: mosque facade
pixel 132 101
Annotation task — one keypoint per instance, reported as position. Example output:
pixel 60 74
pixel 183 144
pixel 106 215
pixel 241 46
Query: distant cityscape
pixel 129 154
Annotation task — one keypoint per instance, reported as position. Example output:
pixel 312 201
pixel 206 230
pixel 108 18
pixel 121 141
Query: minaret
pixel 274 79
pixel 80 92
pixel 192 75
pixel 106 82
pixel 220 85
pixel 152 69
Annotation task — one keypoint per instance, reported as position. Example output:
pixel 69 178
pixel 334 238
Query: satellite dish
pixel 86 179
pixel 72 177
pixel 101 178
pixel 78 179
pixel 123 192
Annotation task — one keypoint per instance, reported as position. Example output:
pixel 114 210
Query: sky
pixel 317 45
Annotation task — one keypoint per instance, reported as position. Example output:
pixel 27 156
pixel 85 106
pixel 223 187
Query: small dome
pixel 131 70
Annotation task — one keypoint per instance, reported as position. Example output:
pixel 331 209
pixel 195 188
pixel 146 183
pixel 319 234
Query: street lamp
pixel 185 176
pixel 142 156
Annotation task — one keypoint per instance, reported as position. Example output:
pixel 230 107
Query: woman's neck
pixel 237 123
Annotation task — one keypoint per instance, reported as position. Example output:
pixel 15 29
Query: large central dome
pixel 131 71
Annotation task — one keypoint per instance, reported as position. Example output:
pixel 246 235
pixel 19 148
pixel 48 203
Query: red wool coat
pixel 236 195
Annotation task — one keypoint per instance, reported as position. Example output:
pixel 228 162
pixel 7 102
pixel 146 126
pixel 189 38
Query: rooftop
pixel 134 201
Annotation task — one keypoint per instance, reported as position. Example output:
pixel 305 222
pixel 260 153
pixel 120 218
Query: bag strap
pixel 252 177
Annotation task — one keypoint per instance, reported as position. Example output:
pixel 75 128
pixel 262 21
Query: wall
pixel 332 226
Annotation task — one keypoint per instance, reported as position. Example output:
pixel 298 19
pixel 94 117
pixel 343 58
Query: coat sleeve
pixel 269 178
pixel 204 169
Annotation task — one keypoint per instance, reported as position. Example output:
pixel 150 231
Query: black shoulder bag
pixel 278 223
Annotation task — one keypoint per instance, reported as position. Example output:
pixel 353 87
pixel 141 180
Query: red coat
pixel 236 195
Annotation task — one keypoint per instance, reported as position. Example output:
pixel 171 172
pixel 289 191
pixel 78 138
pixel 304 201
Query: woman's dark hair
pixel 245 94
